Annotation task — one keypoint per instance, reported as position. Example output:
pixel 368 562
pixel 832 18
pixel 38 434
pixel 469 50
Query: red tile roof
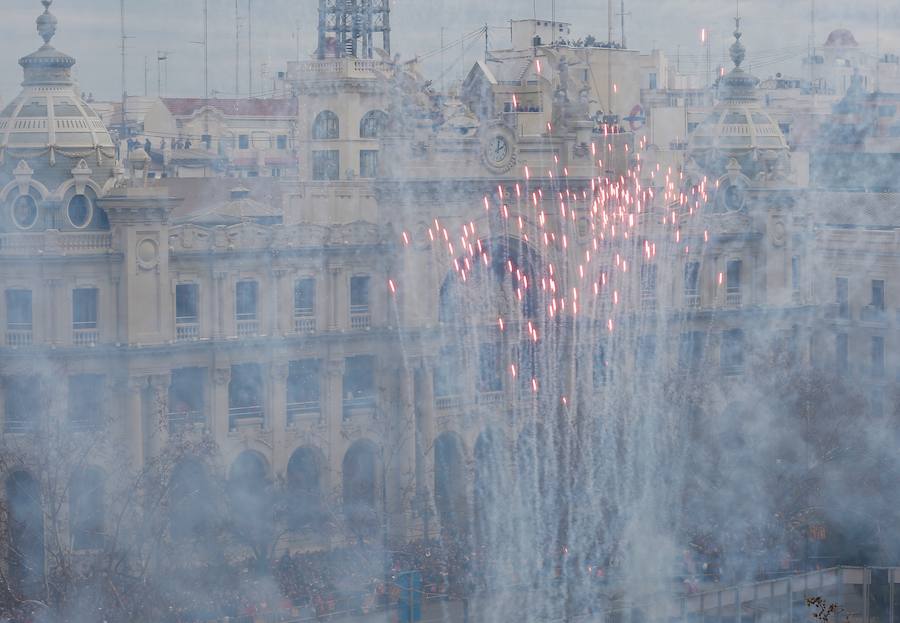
pixel 187 106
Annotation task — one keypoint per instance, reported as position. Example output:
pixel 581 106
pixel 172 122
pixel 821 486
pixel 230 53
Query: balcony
pixel 648 300
pixel 246 417
pixel 187 331
pixel 86 424
pixel 732 369
pixel 490 398
pixel 360 318
pixel 19 335
pixel 184 420
pixel 18 424
pixel 692 300
pixel 247 327
pixel 303 411
pixel 304 321
pixel 733 299
pixel 358 404
pixel 448 403
pixel 873 313
pixel 837 311
pixel 85 336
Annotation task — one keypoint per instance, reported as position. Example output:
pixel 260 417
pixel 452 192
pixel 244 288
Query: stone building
pixel 319 339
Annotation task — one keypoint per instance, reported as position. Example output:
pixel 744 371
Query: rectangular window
pixel 842 353
pixel 602 367
pixel 732 353
pixel 878 294
pixel 653 82
pixel 246 300
pixel 795 273
pixel 84 308
pixel 690 350
pixel 281 141
pixel 304 388
pixel 648 283
pixel 692 279
pixel 878 356
pixel 186 391
pixel 359 381
pixel 733 277
pixel 368 162
pixel 842 296
pixel 244 141
pixel 18 318
pixel 326 165
pixel 18 309
pixel 489 379
pixel 645 358
pixel 245 394
pixel 448 373
pixel 86 401
pixel 22 403
pixel 304 298
pixel 206 139
pixel 187 303
pixel 359 295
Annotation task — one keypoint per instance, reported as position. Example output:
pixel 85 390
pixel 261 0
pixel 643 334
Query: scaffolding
pixel 347 28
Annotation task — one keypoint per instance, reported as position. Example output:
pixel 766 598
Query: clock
pixel 499 150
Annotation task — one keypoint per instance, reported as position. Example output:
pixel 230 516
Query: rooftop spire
pixel 737 50
pixel 46 22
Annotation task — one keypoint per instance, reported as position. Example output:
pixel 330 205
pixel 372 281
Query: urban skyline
pixel 779 44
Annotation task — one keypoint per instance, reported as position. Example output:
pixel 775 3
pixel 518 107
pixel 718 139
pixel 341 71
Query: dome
pixel 49 117
pixel 738 127
pixel 841 38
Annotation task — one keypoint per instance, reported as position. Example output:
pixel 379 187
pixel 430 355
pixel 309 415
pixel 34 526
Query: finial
pixel 737 50
pixel 46 22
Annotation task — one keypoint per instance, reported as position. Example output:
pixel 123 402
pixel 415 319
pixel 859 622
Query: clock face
pixel 498 149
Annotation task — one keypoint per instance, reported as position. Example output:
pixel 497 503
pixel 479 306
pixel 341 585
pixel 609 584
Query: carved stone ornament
pixel 23 174
pixel 81 173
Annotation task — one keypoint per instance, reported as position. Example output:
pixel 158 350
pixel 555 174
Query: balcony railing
pixel 360 318
pixel 358 403
pixel 247 327
pixel 873 313
pixel 490 398
pixel 446 403
pixel 85 424
pixel 837 311
pixel 692 300
pixel 733 299
pixel 246 417
pixel 304 321
pixel 85 337
pixel 19 334
pixel 15 424
pixel 185 331
pixel 648 300
pixel 300 410
pixel 181 420
pixel 732 369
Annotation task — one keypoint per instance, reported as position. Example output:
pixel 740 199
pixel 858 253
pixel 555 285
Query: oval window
pixel 79 211
pixel 24 211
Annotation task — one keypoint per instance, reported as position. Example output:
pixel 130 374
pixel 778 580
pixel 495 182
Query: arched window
pixel 372 124
pixel 251 501
pixel 327 126
pixel 304 480
pixel 191 508
pixel 26 531
pixel 80 211
pixel 359 480
pixel 450 483
pixel 87 508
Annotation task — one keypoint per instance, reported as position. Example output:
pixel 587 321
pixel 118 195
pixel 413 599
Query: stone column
pixel 276 416
pixel 333 411
pixel 283 304
pixel 134 424
pixel 334 311
pixel 157 413
pixel 219 307
pixel 425 423
pixel 47 326
pixel 400 453
pixel 218 413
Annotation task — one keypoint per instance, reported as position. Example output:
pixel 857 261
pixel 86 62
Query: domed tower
pixel 56 156
pixel 738 139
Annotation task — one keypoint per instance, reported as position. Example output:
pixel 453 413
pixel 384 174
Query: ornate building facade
pixel 320 342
